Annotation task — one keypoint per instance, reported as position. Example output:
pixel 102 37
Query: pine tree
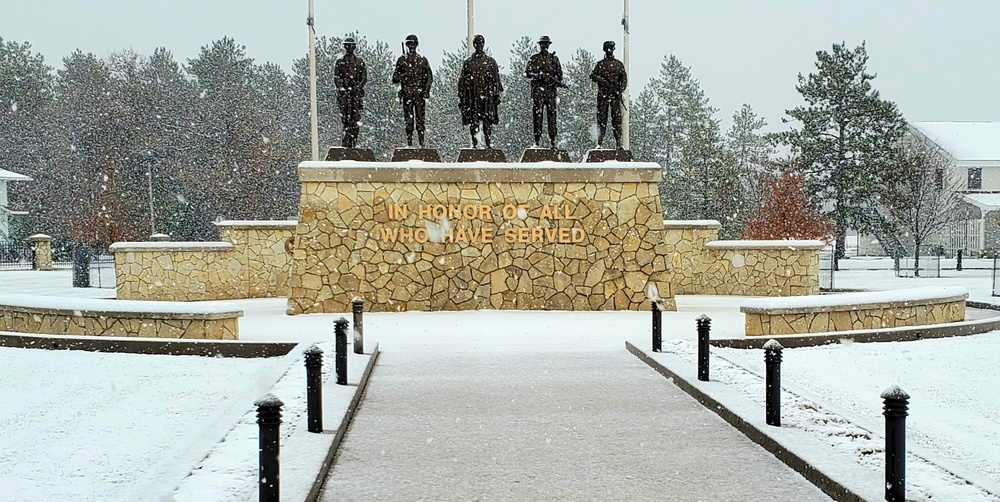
pixel 846 138
pixel 444 119
pixel 645 129
pixel 513 133
pixel 786 213
pixel 751 153
pixel 578 106
pixel 26 101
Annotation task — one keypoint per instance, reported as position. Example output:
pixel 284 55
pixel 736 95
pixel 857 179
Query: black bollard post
pixel 314 388
pixel 772 384
pixel 269 421
pixel 81 266
pixel 704 327
pixel 341 357
pixel 358 307
pixel 895 402
pixel 958 260
pixel 657 306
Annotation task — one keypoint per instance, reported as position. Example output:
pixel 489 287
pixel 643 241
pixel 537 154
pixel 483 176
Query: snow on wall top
pixel 855 299
pixel 691 224
pixel 774 244
pixel 171 246
pixel 418 164
pixel 965 141
pixel 258 223
pixel 6 175
pixel 120 306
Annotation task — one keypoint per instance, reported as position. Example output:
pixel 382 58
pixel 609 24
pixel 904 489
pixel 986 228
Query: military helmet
pixel 350 41
pixel 544 39
pixel 412 38
pixel 478 39
pixel 610 44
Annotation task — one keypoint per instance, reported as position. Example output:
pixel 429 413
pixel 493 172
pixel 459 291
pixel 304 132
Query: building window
pixel 975 178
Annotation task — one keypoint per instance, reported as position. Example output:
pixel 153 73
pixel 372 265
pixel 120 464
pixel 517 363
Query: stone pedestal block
pixel 481 155
pixel 545 155
pixel 605 155
pixel 356 154
pixel 41 245
pixel 424 154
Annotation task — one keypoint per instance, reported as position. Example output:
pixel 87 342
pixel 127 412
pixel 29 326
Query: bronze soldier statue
pixel 350 76
pixel 413 74
pixel 546 76
pixel 609 74
pixel 479 89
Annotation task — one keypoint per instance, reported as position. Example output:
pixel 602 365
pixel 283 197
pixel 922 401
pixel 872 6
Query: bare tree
pixel 921 196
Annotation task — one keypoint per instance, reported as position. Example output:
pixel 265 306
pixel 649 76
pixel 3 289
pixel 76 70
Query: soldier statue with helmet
pixel 611 79
pixel 545 72
pixel 350 75
pixel 414 77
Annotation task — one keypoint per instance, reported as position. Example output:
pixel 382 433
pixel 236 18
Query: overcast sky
pixel 937 59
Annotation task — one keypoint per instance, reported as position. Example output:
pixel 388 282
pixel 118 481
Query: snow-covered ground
pixel 153 404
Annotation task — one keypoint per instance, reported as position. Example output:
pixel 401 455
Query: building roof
pixel 986 202
pixel 968 143
pixel 12 176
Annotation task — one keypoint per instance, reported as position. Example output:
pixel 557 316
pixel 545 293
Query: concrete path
pixel 556 425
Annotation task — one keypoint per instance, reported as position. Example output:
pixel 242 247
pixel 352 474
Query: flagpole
pixel 471 25
pixel 625 97
pixel 314 120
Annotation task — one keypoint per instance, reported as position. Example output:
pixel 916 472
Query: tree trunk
pixel 916 258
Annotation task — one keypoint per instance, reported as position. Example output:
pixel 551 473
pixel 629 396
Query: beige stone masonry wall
pixel 217 326
pixel 263 249
pixel 41 244
pixel 340 251
pixel 853 317
pixel 177 271
pixel 703 265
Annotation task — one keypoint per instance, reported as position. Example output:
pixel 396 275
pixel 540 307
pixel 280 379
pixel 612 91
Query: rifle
pixel 617 95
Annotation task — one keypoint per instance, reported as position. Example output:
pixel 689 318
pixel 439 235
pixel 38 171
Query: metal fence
pixel 16 255
pixel 930 266
pixel 102 270
pixel 826 269
pixel 996 289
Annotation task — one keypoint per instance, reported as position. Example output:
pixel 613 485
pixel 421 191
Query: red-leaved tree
pixel 786 213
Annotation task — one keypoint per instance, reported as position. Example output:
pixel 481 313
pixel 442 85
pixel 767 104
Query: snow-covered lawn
pixel 91 426
pixel 954 404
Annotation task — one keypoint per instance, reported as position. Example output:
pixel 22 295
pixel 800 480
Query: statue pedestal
pixel 481 155
pixel 424 154
pixel 608 154
pixel 544 155
pixel 357 154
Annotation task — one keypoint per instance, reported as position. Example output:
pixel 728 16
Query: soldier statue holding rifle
pixel 609 74
pixel 545 73
pixel 414 77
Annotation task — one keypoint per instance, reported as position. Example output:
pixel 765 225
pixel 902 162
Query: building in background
pixel 7 210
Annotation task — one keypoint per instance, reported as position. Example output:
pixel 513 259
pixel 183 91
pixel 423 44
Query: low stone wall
pixel 854 311
pixel 703 265
pixel 262 247
pixel 177 271
pixel 119 318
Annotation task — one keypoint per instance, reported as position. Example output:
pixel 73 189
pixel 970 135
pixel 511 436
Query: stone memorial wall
pixel 478 236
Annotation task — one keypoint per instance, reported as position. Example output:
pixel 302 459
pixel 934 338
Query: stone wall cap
pixel 479 172
pixel 263 224
pixel 855 301
pixel 133 308
pixel 776 244
pixel 172 246
pixel 38 238
pixel 681 224
pixel 531 166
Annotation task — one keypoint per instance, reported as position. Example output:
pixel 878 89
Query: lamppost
pixel 149 176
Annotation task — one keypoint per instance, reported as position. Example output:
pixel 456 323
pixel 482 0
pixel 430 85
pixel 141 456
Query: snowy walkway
pixel 502 424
